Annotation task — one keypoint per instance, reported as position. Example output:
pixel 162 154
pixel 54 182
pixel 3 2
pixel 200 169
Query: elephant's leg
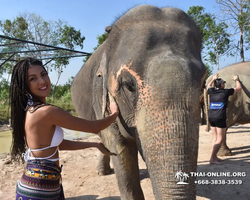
pixel 127 171
pixel 103 167
pixel 224 150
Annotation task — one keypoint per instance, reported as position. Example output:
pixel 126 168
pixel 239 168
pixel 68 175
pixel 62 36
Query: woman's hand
pixel 104 150
pixel 113 106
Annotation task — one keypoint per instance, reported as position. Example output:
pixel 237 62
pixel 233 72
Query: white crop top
pixel 55 142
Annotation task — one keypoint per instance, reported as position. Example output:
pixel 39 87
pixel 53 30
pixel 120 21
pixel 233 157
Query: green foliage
pixel 70 37
pixel 4 88
pixel 100 39
pixel 61 91
pixel 4 103
pixel 61 102
pixel 209 70
pixel 216 40
pixel 61 99
pixel 32 27
pixel 4 113
pixel 246 25
pixel 15 28
pixel 199 17
pixel 236 13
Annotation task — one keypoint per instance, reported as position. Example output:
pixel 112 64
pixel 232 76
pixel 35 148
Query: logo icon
pixel 182 177
pixel 216 105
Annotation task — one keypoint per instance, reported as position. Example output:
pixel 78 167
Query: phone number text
pixel 218 182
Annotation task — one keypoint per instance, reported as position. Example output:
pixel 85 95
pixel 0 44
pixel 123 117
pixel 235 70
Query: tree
pixel 216 40
pixel 4 88
pixel 209 70
pixel 70 37
pixel 236 14
pixel 29 26
pixel 16 27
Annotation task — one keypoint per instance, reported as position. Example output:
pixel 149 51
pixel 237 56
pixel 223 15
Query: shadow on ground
pixel 234 186
pixel 240 150
pixel 92 197
pixel 246 129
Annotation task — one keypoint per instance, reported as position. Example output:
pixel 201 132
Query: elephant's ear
pixel 103 99
pixel 100 82
pixel 83 87
pixel 102 75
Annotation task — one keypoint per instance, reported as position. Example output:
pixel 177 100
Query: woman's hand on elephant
pixel 113 106
pixel 104 150
pixel 235 77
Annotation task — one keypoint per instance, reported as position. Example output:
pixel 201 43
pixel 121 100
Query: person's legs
pixel 219 136
pixel 214 133
pixel 214 140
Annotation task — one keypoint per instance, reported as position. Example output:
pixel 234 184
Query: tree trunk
pixel 242 47
pixel 58 78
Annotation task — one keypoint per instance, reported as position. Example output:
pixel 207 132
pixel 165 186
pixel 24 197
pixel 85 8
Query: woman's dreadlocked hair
pixel 18 100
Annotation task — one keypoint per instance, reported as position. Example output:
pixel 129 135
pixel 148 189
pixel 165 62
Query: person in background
pixel 217 112
pixel 37 133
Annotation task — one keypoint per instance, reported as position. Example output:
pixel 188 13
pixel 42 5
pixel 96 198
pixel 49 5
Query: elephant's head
pixel 151 65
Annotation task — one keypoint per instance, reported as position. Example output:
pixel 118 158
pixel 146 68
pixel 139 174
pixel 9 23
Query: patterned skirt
pixel 41 180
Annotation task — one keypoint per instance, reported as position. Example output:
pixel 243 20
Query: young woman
pixel 37 126
pixel 217 112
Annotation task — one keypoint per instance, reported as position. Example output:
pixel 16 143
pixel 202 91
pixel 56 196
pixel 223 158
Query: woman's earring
pixel 30 101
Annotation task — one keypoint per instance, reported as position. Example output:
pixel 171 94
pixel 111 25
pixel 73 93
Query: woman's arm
pixel 59 117
pixel 76 145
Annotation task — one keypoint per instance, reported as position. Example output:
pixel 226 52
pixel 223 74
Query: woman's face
pixel 39 82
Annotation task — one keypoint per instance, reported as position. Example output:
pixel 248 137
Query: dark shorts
pixel 220 123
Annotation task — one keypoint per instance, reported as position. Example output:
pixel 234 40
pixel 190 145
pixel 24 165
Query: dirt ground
pixel 81 182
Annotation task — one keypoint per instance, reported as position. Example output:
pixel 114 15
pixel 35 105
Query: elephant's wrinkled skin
pixel 151 65
pixel 238 108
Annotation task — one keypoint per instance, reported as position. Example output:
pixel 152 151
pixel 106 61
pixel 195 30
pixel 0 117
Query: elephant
pixel 150 66
pixel 238 108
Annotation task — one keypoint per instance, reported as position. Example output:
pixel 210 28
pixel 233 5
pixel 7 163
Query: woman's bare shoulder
pixel 45 110
pixel 49 108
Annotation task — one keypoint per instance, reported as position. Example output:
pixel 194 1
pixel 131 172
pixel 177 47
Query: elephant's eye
pixel 129 86
pixel 99 74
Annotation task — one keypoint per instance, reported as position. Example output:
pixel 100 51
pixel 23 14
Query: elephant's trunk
pixel 167 121
pixel 169 141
